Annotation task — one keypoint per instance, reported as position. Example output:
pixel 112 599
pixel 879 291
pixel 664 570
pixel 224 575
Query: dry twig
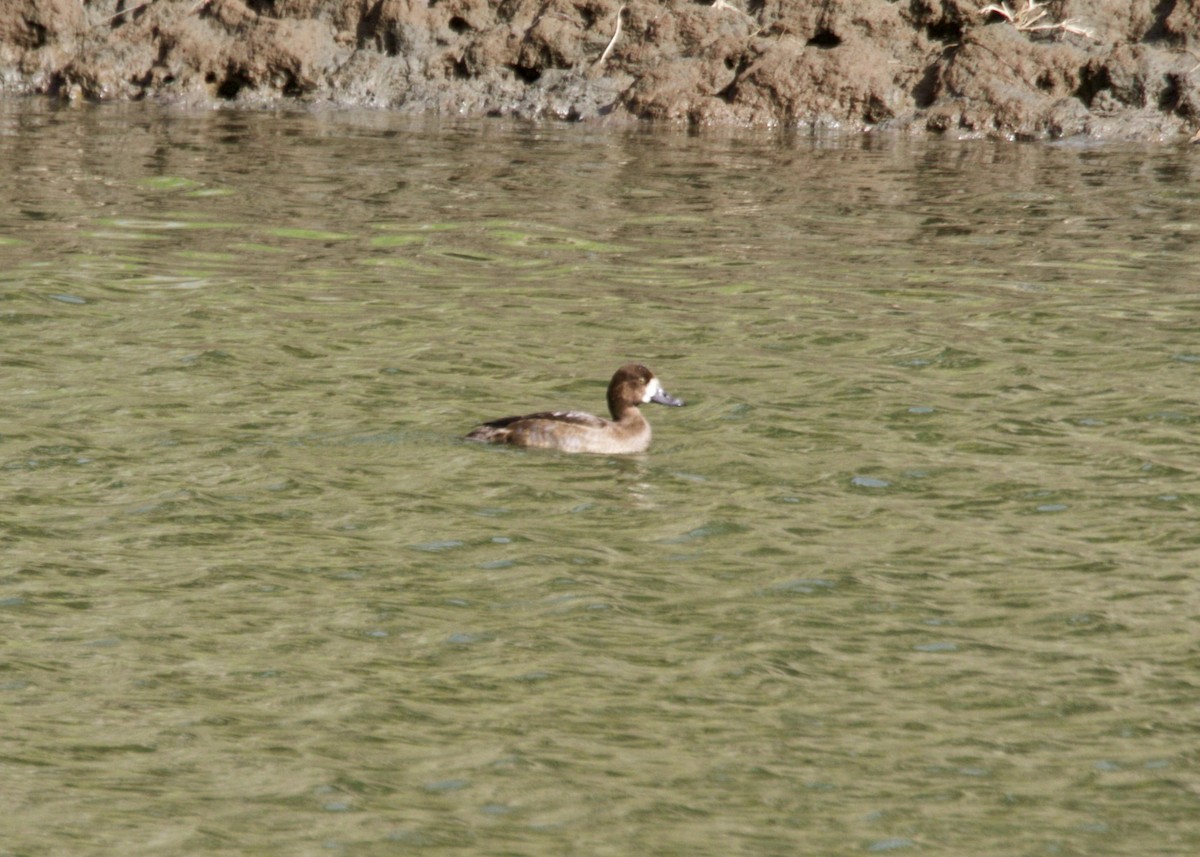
pixel 1031 19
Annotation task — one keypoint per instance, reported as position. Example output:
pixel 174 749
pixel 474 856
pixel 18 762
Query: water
pixel 914 571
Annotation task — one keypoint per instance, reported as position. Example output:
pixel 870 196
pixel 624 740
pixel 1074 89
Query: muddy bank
pixel 1104 68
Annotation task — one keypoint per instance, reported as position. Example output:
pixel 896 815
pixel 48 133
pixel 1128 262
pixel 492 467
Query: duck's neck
pixel 630 415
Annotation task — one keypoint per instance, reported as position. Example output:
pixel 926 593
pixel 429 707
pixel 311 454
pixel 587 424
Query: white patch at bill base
pixel 652 390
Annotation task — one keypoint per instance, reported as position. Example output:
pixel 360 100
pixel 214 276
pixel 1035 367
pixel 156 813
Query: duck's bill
pixel 664 398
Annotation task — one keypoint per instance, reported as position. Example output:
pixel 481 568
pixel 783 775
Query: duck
pixel 576 431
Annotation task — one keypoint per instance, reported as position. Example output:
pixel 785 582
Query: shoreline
pixel 1107 70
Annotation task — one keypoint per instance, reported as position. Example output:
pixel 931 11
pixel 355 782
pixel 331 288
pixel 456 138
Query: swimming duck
pixel 575 431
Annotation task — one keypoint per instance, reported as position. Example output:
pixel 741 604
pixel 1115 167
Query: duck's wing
pixel 520 428
pixel 576 418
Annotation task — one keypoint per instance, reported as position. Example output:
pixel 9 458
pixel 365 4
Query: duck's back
pixel 567 431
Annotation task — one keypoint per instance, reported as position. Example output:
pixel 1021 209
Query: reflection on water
pixel 914 570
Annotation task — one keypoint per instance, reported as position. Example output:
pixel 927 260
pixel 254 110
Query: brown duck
pixel 576 431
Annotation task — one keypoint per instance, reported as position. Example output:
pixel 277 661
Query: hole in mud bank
pixel 57 85
pixel 459 70
pixel 737 65
pixel 528 75
pixel 40 34
pixel 1170 99
pixel 459 25
pixel 291 87
pixel 877 110
pixel 1092 81
pixel 229 88
pixel 1158 31
pixel 926 90
pixel 825 39
pixel 945 31
pixel 390 44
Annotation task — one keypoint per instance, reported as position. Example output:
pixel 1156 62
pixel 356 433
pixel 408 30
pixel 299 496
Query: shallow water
pixel 914 571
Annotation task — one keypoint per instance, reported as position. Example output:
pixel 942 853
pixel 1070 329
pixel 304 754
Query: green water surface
pixel 914 571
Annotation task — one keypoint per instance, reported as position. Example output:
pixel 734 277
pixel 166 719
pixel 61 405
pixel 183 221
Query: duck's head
pixel 632 385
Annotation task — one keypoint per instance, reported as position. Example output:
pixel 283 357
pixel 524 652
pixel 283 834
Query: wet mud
pixel 1125 69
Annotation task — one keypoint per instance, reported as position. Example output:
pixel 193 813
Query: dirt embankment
pixel 1106 68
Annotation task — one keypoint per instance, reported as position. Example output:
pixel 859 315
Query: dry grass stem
pixel 1031 18
pixel 721 5
pixel 613 41
pixel 128 11
pixel 192 11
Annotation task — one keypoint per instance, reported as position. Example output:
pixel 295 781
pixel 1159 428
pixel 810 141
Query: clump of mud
pixel 1023 69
